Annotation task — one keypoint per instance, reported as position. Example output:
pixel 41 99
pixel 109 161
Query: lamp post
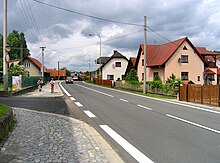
pixel 95 34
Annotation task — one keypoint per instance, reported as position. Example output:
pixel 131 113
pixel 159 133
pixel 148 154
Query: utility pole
pixel 145 51
pixel 5 64
pixel 89 69
pixel 21 52
pixel 42 61
pixel 58 70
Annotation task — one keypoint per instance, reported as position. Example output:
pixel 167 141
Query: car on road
pixel 69 80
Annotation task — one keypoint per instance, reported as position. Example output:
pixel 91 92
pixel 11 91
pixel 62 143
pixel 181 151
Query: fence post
pixel 218 95
pixel 187 91
pixel 202 94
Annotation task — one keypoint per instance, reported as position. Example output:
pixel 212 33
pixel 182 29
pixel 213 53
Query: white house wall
pixel 109 69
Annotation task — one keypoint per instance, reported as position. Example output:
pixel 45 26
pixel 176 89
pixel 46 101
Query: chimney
pixel 114 51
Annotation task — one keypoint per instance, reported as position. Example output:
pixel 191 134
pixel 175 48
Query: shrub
pixel 132 76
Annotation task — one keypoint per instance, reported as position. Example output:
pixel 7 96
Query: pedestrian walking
pixel 52 83
pixel 40 84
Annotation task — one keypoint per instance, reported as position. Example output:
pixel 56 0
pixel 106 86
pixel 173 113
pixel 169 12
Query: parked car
pixel 69 80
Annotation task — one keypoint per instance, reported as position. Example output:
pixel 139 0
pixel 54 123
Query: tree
pixel 132 76
pixel 17 70
pixel 1 52
pixel 17 41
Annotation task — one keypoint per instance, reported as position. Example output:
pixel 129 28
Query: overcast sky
pixel 66 34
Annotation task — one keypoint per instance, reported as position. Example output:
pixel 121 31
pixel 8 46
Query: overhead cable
pixel 87 15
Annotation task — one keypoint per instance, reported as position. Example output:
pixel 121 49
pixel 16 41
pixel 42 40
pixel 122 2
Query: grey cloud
pixel 172 19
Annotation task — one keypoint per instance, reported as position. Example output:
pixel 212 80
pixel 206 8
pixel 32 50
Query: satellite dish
pixel 113 65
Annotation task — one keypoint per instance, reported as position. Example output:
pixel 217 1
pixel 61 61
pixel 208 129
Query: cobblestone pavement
pixel 45 137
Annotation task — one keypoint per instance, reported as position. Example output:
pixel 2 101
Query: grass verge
pixel 4 109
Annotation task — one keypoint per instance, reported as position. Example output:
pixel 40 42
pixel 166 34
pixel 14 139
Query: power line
pixel 20 7
pixel 87 15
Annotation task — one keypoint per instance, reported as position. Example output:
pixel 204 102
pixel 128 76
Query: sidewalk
pixel 46 91
pixel 45 137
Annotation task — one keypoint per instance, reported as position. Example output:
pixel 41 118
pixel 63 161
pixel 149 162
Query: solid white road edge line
pixel 144 107
pixel 95 90
pixel 134 152
pixel 72 98
pixel 78 104
pixel 192 123
pixel 67 93
pixel 89 113
pixel 124 100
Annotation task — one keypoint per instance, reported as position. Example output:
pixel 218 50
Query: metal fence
pixel 204 94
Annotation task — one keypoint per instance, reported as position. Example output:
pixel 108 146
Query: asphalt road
pixel 164 132
pixel 51 105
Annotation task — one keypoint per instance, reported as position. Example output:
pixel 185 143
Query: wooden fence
pixel 104 82
pixel 204 94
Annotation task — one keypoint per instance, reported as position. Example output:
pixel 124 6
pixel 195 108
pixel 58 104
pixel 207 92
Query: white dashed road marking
pixel 144 107
pixel 78 104
pixel 134 152
pixel 72 98
pixel 90 114
pixel 124 100
pixel 193 123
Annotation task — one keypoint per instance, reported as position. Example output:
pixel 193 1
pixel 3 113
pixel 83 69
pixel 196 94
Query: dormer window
pixel 208 60
pixel 185 48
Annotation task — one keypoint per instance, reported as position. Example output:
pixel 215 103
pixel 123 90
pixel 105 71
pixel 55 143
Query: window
pixel 117 64
pixel 142 76
pixel 198 78
pixel 184 58
pixel 142 62
pixel 26 65
pixel 184 75
pixel 110 77
pixel 185 48
pixel 211 77
pixel 156 74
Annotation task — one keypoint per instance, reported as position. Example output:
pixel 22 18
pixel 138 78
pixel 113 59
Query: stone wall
pixel 5 124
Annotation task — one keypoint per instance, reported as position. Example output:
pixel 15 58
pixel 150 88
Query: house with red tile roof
pixel 57 73
pixel 179 57
pixel 33 66
pixel 211 72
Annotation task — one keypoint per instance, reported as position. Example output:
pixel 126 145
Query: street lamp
pixel 95 34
